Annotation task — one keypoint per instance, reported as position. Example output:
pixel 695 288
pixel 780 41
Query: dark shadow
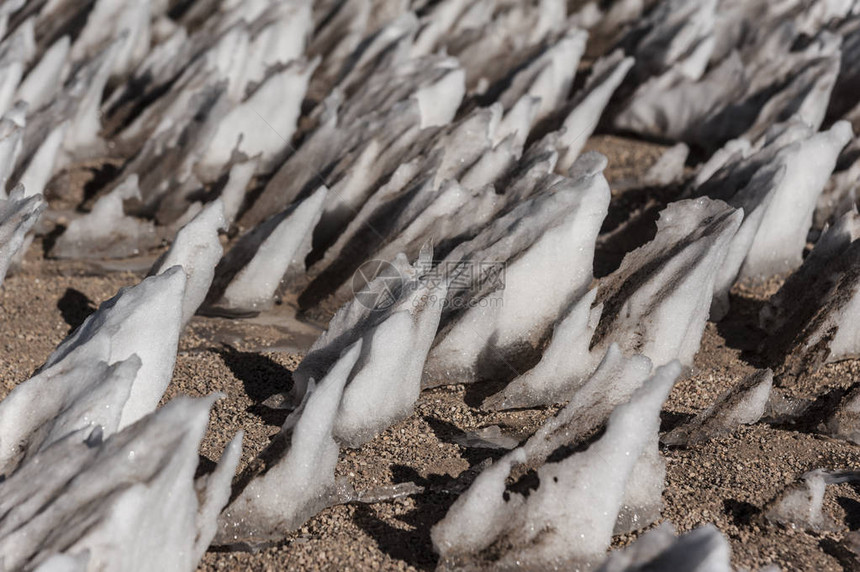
pixel 623 232
pixel 261 376
pixel 741 512
pixel 414 546
pixel 205 465
pixel 671 419
pixel 740 330
pixel 847 559
pixel 612 247
pixel 501 365
pixel 103 175
pixel 50 239
pixel 75 308
pixel 852 511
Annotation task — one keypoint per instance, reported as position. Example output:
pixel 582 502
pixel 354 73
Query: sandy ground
pixel 726 481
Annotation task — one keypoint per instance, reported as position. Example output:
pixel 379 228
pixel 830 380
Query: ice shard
pixel 657 303
pixel 301 482
pixel 81 392
pixel 249 275
pixel 108 499
pixel 569 518
pixel 197 249
pixel 546 241
pixel 18 214
pixel 106 231
pixel 145 320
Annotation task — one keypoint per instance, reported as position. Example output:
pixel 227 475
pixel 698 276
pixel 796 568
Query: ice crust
pixel 551 527
pixel 106 232
pixel 113 496
pixel 301 482
pixel 142 320
pixel 247 278
pixel 551 234
pixel 658 300
pixel 18 214
pixel 197 249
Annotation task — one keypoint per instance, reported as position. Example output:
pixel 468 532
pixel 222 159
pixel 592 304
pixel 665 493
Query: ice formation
pixel 700 80
pixel 743 404
pixel 81 392
pixel 703 549
pixel 143 320
pixel 385 384
pixel 263 124
pixel 18 214
pixel 778 189
pixel 811 317
pixel 106 501
pixel 800 504
pixel 563 522
pixel 548 240
pixel 657 302
pixel 247 278
pixel 565 363
pixel 197 250
pixel 588 107
pixel 395 316
pixel 301 482
pixel 106 231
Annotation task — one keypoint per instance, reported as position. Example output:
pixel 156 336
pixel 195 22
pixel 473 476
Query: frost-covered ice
pixel 264 124
pixel 743 404
pixel 606 76
pixel 612 383
pixel 18 214
pixel 812 317
pixel 658 300
pixel 669 168
pixel 781 235
pixel 247 278
pixel 395 316
pixel 778 189
pixel 703 549
pixel 129 502
pixel 81 392
pixel 565 363
pixel 385 383
pixel 565 521
pixel 11 134
pixel 197 249
pixel 106 231
pixel 328 134
pixel 143 320
pixel 301 482
pixel 547 240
